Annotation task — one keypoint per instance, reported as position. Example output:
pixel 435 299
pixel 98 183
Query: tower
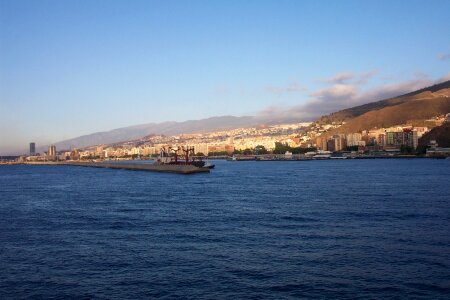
pixel 51 154
pixel 32 149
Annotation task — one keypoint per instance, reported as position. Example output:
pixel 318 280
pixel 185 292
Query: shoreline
pixel 135 165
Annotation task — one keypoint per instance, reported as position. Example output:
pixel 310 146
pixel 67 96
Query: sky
pixel 69 68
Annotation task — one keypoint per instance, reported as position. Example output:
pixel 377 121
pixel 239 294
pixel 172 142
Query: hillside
pixel 167 128
pixel 356 111
pixel 440 134
pixel 413 108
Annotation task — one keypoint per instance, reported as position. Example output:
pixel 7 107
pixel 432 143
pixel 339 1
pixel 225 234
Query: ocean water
pixel 248 230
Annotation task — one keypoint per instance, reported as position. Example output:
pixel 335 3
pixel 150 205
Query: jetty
pixel 155 167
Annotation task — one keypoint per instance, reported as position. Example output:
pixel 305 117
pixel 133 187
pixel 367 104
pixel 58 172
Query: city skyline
pixel 104 65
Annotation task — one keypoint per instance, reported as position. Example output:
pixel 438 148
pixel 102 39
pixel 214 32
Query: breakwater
pixel 166 168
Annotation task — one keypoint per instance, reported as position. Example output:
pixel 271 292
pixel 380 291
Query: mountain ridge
pixel 166 128
pixel 420 104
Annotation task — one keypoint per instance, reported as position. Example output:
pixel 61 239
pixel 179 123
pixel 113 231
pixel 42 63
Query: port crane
pixel 170 155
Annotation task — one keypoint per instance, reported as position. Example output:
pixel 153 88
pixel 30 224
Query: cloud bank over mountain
pixel 343 90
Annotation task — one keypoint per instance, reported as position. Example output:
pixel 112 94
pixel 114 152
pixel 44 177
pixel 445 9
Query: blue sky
pixel 69 68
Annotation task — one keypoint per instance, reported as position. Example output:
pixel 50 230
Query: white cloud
pixel 395 89
pixel 340 77
pixel 336 92
pixel 350 77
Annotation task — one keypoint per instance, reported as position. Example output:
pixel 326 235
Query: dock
pixel 166 168
pixel 163 168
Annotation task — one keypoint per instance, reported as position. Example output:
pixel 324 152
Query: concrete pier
pixel 180 169
pixel 167 168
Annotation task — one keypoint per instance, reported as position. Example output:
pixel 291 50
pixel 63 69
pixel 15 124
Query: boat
pixel 321 154
pixel 242 157
pixel 209 165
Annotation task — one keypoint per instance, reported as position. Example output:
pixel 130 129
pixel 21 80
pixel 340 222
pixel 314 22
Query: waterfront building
pixel 147 151
pixel 331 145
pixel 410 138
pixel 201 148
pixel 75 154
pixel 405 137
pixel 322 143
pixel 32 149
pixel 436 151
pixel 353 139
pixel 66 155
pixel 135 151
pixel 99 151
pixel 336 143
pixel 394 138
pixel 85 154
pixel 221 148
pixel 51 154
pixel 382 140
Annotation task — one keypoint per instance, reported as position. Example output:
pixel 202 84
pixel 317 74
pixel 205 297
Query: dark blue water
pixel 248 230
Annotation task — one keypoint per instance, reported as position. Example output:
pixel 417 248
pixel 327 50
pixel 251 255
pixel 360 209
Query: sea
pixel 333 229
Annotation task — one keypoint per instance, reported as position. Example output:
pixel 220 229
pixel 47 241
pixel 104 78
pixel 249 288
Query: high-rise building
pixel 322 143
pixel 331 146
pixel 406 137
pixel 32 149
pixel 410 138
pixel 51 154
pixel 336 143
pixel 394 139
pixel 353 139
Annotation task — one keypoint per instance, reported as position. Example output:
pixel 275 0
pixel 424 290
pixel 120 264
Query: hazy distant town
pixel 285 141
